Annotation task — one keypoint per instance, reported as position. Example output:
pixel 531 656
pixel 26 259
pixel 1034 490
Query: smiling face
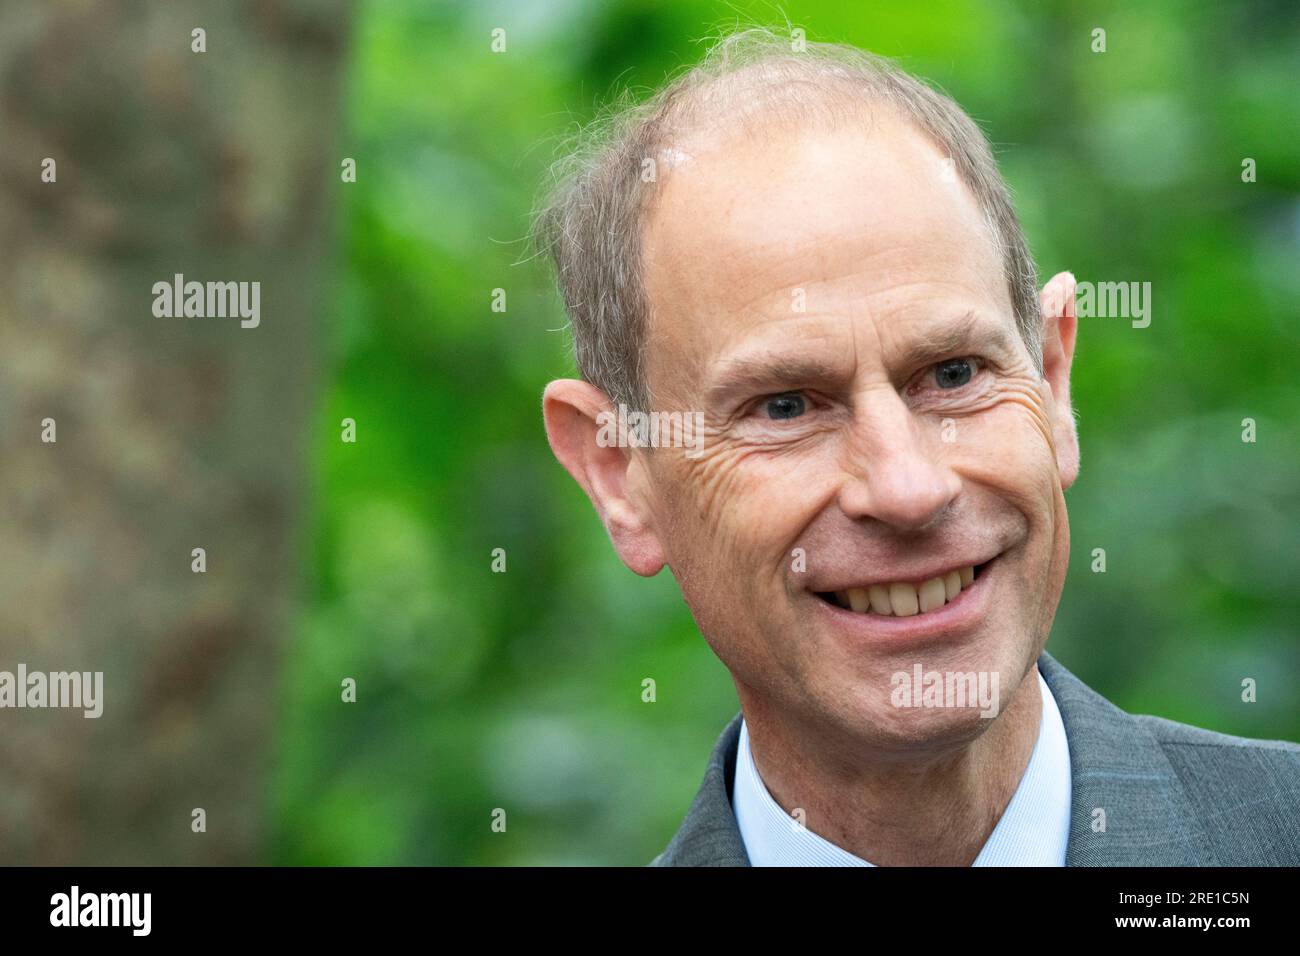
pixel 833 303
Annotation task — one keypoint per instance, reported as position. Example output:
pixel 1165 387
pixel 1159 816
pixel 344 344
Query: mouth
pixel 908 598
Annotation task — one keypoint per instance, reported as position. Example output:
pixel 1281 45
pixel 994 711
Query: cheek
pixel 1009 449
pixel 745 506
pixel 1010 446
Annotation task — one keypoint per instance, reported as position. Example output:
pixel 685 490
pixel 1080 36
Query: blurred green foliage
pixel 522 690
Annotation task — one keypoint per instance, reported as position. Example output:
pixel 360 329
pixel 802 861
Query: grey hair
pixel 590 220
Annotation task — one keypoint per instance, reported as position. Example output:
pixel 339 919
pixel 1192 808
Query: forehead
pixel 866 218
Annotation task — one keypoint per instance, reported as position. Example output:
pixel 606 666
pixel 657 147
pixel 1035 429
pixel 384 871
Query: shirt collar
pixel 1033 831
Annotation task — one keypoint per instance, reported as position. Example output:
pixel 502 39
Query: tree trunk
pixel 171 433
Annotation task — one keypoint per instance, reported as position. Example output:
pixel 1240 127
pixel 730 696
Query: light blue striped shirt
pixel 1033 831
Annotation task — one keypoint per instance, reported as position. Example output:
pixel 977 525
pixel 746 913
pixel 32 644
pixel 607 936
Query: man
pixel 812 255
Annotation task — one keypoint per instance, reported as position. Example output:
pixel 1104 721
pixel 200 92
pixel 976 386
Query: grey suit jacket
pixel 1173 795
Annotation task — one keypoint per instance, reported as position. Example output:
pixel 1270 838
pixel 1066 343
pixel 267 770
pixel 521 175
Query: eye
pixel 786 405
pixel 954 373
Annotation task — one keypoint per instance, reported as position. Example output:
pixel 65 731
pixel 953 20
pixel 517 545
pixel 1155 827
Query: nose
pixel 894 467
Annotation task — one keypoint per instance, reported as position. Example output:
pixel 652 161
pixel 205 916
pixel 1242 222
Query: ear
pixel 1059 327
pixel 580 422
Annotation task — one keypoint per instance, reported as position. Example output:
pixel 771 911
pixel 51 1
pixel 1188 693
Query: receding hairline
pixel 863 115
pixel 806 90
pixel 591 223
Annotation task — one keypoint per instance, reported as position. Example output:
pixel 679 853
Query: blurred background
pixel 372 559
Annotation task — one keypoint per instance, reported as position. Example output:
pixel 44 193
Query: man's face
pixel 833 303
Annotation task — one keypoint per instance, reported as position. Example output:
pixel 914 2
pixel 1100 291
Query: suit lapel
pixel 1121 778
pixel 709 836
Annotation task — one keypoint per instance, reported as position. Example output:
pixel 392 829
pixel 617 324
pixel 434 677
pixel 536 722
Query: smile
pixel 905 598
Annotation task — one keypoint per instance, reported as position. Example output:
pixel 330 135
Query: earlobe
pixel 578 431
pixel 1060 326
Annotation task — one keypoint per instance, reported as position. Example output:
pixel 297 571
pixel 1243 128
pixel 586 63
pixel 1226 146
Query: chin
pixel 908 731
pixel 873 691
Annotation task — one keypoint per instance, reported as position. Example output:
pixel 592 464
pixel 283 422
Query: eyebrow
pixel 967 334
pixel 772 372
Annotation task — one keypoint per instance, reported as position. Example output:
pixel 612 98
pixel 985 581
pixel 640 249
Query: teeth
pixel 931 594
pixel 905 600
pixel 902 598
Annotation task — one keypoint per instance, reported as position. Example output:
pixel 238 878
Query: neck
pixel 928 806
